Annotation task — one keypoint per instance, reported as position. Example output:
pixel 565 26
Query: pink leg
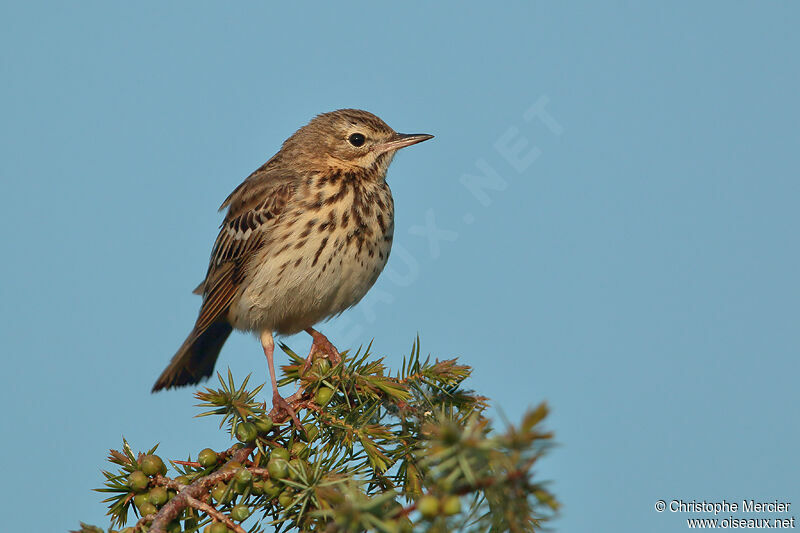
pixel 278 402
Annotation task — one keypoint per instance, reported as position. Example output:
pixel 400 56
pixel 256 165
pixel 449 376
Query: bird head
pixel 349 140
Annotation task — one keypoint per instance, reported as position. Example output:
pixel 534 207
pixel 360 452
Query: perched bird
pixel 305 237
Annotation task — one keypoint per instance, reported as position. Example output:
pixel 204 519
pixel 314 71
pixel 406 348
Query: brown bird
pixel 305 237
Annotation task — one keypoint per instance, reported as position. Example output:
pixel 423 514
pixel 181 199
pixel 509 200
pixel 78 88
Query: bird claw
pixel 307 364
pixel 323 347
pixel 282 406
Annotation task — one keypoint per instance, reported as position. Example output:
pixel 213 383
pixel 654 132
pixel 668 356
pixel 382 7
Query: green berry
pixel 428 506
pixel 218 527
pixel 158 496
pixel 240 512
pixel 141 499
pixel 138 481
pixel 271 489
pixel 279 453
pixel 298 467
pixel 219 493
pixel 311 432
pixel 183 480
pixel 243 478
pixel 286 498
pixel 451 505
pixel 450 434
pixel 321 367
pixel 207 457
pixel 323 396
pixel 301 450
pixel 152 465
pixel 246 432
pixel 238 488
pixel 257 488
pixel 231 465
pixel 263 424
pixel 148 508
pixel 278 468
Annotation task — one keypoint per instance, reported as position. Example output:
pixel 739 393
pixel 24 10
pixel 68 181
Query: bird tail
pixel 195 359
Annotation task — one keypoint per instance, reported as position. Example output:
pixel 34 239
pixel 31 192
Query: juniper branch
pixel 378 452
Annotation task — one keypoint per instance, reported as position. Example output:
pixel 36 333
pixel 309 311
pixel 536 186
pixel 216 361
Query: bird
pixel 304 237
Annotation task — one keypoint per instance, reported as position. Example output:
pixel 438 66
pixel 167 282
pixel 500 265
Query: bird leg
pixel 278 402
pixel 322 346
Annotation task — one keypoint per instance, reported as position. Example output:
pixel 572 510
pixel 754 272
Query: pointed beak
pixel 401 140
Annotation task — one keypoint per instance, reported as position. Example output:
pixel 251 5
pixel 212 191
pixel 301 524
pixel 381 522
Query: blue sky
pixel 629 255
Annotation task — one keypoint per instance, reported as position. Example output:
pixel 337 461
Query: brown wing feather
pixel 243 232
pixel 218 298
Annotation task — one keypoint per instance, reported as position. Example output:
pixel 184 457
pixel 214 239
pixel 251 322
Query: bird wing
pixel 252 207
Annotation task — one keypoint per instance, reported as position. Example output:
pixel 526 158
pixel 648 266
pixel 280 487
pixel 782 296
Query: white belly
pixel 314 278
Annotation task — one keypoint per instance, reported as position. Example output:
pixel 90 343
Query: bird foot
pixel 321 347
pixel 282 406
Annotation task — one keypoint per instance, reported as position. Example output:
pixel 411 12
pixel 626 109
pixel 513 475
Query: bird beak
pixel 401 140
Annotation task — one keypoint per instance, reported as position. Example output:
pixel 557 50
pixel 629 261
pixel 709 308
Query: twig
pixel 199 487
pixel 170 483
pixel 310 405
pixel 216 515
pixel 143 520
pixel 258 471
pixel 202 485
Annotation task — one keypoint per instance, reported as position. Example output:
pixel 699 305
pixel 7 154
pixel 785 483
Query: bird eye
pixel 357 139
